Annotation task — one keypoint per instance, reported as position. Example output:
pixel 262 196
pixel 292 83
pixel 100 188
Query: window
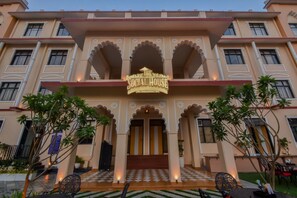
pixel 44 91
pixel 283 89
pixel 293 27
pixel 62 31
pixel 269 57
pixel 234 56
pixel 58 57
pixel 230 30
pixel 293 126
pixel 258 29
pixel 33 29
pixel 206 135
pixel 8 90
pixel 21 57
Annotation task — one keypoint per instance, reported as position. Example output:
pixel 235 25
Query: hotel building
pixel 198 53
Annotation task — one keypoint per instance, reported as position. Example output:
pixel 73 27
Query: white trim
pixel 229 66
pixel 265 25
pixel 10 81
pixel 291 86
pixel 56 29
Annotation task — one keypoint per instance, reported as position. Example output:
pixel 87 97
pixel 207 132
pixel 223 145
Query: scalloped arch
pixel 194 107
pixel 190 44
pixel 149 43
pixel 101 46
pixel 151 107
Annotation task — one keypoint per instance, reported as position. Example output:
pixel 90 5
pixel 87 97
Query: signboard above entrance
pixel 147 82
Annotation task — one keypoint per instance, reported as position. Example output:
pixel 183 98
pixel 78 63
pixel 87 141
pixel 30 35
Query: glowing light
pixel 215 78
pixel 78 79
pixel 46 177
pixel 60 179
pixel 176 178
pixel 119 178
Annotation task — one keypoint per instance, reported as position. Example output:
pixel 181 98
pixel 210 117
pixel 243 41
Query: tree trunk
pixel 272 176
pixel 27 181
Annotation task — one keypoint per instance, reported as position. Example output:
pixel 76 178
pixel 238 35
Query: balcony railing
pixel 15 152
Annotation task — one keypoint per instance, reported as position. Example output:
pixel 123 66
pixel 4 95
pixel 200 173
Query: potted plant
pixel 78 162
pixel 181 153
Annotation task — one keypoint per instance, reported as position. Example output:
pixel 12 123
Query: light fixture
pixel 146 111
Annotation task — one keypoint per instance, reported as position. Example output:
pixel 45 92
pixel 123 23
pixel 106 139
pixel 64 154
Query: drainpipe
pixel 292 51
pixel 72 63
pixel 219 63
pixel 258 58
pixel 24 83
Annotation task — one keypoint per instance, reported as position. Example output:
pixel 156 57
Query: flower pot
pixel 181 162
pixel 77 165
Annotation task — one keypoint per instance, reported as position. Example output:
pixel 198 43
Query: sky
pixel 124 5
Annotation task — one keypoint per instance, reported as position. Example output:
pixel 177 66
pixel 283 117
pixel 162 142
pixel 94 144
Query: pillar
pixel 66 167
pixel 187 140
pixel 219 63
pixel 72 63
pixel 196 153
pixel 259 58
pixel 173 158
pixel 125 68
pixel 1 46
pixel 226 155
pixel 97 147
pixel 30 66
pixel 292 51
pixel 121 158
pixel 168 68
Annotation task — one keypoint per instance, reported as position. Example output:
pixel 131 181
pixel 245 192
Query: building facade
pixel 95 52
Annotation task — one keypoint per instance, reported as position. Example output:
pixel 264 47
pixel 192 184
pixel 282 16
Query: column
pixel 258 58
pixel 66 167
pixel 72 63
pixel 97 147
pixel 196 155
pixel 292 51
pixel 125 68
pixel 226 155
pixel 187 140
pixel 121 158
pixel 219 63
pixel 173 157
pixel 24 83
pixel 168 68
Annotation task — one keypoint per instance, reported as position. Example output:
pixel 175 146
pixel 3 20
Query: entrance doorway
pixel 25 144
pixel 147 141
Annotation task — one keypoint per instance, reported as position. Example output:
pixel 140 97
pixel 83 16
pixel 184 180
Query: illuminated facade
pixel 94 53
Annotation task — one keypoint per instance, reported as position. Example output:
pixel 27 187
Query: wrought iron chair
pixel 123 195
pixel 225 183
pixel 203 194
pixel 70 185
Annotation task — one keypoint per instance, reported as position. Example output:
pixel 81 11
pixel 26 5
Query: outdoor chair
pixel 225 183
pixel 203 194
pixel 125 190
pixel 70 185
pixel 282 172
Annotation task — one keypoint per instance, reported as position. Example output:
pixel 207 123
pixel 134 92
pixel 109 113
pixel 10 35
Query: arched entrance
pixel 188 61
pixel 147 140
pixel 147 54
pixel 105 61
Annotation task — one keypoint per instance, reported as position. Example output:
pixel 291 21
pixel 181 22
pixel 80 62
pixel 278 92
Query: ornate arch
pixel 190 44
pixel 195 108
pixel 148 43
pixel 150 107
pixel 101 46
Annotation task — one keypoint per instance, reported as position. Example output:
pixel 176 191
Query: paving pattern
pixel 149 175
pixel 146 193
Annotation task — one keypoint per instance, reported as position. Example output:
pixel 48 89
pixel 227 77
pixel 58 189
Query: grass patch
pixel 290 189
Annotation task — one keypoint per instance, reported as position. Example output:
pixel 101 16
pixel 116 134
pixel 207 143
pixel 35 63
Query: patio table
pixel 249 193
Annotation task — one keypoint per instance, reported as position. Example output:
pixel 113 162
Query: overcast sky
pixel 243 5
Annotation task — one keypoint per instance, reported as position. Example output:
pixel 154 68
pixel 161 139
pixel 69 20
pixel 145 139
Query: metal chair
pixel 123 195
pixel 225 183
pixel 70 185
pixel 203 194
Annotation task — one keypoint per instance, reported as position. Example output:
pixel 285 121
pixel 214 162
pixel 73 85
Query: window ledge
pixel 241 65
pixel 54 65
pixel 17 65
